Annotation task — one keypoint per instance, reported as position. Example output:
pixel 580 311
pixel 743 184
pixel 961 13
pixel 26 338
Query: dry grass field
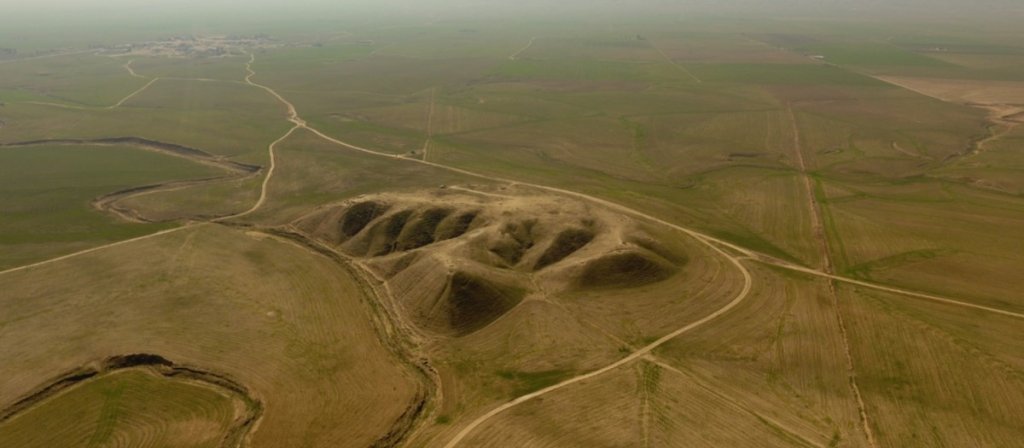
pixel 288 324
pixel 601 232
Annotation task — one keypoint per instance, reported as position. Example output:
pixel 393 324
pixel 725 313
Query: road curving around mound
pixel 236 435
pixel 638 354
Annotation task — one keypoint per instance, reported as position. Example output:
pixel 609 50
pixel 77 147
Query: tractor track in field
pixel 736 403
pixel 430 123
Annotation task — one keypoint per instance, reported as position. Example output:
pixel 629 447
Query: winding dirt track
pixel 747 284
pixel 131 71
pixel 515 55
pixel 293 117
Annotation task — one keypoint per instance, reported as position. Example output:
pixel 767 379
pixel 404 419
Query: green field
pixel 46 193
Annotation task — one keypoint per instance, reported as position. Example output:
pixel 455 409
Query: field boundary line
pixel 701 383
pixel 677 65
pixel 894 290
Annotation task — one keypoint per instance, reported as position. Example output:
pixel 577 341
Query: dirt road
pixel 99 248
pixel 515 55
pixel 747 284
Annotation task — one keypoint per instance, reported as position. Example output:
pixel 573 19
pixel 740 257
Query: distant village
pixel 192 46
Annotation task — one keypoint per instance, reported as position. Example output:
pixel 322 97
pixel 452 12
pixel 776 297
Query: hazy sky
pixel 37 15
pixel 448 6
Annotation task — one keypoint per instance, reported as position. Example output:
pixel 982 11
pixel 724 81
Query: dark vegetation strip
pixel 169 148
pixel 234 437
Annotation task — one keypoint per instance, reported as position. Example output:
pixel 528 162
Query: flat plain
pixel 466 233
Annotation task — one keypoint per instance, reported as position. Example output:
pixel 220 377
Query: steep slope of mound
pixel 566 243
pixel 337 225
pixel 475 302
pixel 359 215
pixel 453 300
pixel 421 231
pixel 659 249
pixel 381 237
pixel 630 268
